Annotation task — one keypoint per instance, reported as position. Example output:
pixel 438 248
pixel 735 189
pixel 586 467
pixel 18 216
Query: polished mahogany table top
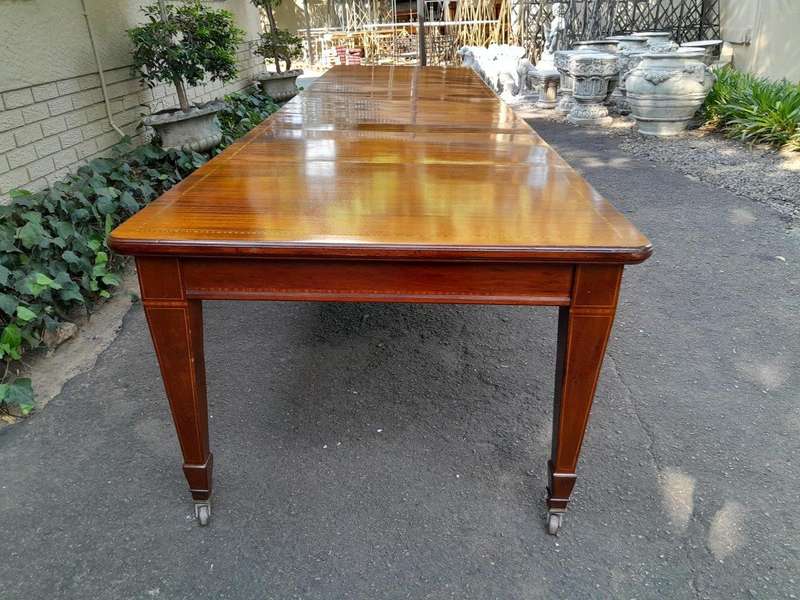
pixel 388 162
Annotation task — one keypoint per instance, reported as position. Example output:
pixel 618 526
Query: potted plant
pixel 186 45
pixel 278 45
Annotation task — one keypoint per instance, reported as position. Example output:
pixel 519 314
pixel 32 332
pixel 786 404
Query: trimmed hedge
pixel 54 261
pixel 754 109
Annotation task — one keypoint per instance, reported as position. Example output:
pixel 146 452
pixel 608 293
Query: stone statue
pixel 557 25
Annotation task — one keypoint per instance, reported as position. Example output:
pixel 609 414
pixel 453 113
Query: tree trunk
pixel 180 88
pixel 183 99
pixel 273 28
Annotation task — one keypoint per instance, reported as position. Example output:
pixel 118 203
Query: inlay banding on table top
pixel 457 177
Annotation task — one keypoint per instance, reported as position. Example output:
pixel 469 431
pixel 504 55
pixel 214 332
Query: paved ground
pixel 398 451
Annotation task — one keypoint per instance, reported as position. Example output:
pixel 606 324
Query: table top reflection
pixel 383 161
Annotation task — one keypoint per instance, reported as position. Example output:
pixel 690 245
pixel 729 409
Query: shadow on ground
pixel 368 451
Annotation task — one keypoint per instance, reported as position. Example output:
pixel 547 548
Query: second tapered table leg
pixel 583 330
pixel 176 326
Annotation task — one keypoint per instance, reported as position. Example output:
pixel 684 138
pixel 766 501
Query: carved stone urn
pixel 561 62
pixel 279 86
pixel 591 73
pixel 608 45
pixel 196 129
pixel 630 50
pixel 710 49
pixel 665 90
pixel 657 41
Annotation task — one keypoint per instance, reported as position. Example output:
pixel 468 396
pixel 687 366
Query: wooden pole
pixel 421 53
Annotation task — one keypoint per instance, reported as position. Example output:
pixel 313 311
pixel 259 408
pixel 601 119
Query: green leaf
pixel 108 191
pixel 105 205
pixel 19 393
pixel 71 258
pixel 11 341
pixel 25 314
pixel 71 294
pixel 4 274
pixel 8 304
pixel 111 279
pixel 44 280
pixel 128 202
pixel 31 234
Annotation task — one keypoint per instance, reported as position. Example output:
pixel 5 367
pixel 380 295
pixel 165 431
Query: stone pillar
pixel 545 78
pixel 591 73
pixel 548 88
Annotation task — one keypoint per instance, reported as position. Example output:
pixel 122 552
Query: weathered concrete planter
pixel 591 72
pixel 710 49
pixel 657 41
pixel 608 45
pixel 280 86
pixel 630 50
pixel 196 129
pixel 665 90
pixel 561 62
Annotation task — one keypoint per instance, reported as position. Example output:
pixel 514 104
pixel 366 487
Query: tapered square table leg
pixel 176 327
pixel 583 330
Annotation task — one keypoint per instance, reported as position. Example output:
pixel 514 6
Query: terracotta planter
pixel 665 90
pixel 280 86
pixel 196 129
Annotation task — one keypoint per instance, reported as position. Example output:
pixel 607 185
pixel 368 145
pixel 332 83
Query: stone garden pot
pixel 196 129
pixel 657 41
pixel 607 45
pixel 561 62
pixel 280 86
pixel 665 90
pixel 710 49
pixel 591 73
pixel 630 50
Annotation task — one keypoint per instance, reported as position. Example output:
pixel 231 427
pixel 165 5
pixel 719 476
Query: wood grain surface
pixel 388 162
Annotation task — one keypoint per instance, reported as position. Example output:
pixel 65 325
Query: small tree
pixel 277 44
pixel 185 45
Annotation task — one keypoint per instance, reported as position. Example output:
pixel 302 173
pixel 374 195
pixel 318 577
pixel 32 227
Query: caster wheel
pixel 203 513
pixel 554 523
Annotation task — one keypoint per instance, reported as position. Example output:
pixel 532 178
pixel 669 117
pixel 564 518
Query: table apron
pixel 445 282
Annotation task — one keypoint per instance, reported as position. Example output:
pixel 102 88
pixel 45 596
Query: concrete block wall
pixel 50 129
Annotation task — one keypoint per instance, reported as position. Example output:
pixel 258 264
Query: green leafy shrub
pixel 54 261
pixel 277 45
pixel 280 45
pixel 186 44
pixel 755 110
pixel 242 112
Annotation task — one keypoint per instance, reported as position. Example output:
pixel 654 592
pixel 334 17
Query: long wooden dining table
pixel 384 184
